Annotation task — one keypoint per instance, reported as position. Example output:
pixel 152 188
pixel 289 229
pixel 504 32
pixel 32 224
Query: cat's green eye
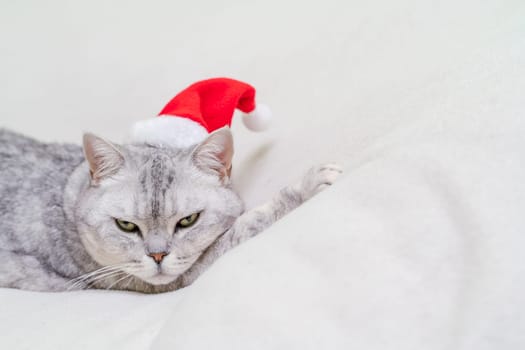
pixel 126 226
pixel 188 221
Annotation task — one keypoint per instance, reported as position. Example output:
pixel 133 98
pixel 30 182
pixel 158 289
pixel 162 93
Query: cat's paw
pixel 319 178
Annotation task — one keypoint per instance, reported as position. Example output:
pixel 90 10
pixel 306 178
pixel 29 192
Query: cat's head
pixel 154 210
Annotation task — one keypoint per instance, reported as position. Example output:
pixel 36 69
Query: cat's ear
pixel 103 157
pixel 215 153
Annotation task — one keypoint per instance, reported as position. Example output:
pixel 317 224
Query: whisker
pixel 103 272
pixel 96 279
pixel 89 274
pixel 127 284
pixel 113 274
pixel 102 269
pixel 120 279
pixel 84 278
pixel 189 257
pixel 87 282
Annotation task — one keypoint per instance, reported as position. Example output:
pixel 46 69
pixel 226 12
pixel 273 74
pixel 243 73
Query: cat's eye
pixel 126 226
pixel 188 221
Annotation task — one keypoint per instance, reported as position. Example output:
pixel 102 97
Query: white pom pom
pixel 259 119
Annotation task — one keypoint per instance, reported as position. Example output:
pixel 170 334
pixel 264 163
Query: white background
pixel 420 243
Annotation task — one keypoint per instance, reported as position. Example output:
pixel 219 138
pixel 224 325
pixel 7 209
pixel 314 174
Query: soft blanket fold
pixel 418 246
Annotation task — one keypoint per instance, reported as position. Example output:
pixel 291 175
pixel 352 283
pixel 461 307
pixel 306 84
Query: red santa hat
pixel 200 109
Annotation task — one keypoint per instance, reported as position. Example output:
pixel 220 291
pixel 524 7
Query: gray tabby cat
pixel 132 217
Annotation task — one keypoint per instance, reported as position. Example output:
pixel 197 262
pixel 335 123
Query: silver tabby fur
pixel 58 204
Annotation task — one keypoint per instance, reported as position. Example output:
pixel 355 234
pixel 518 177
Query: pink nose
pixel 158 256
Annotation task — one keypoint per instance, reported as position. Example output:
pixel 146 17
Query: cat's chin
pixel 160 279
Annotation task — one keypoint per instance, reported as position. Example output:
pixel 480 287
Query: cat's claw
pixel 319 178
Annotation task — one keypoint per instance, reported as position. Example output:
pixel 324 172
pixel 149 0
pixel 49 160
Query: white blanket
pixel 420 245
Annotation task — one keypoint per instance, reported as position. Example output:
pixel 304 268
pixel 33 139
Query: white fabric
pixel 168 130
pixel 259 119
pixel 418 246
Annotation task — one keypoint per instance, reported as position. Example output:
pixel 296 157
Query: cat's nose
pixel 158 256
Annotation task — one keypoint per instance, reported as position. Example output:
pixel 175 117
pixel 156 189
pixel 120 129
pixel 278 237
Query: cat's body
pixel 35 234
pixel 62 210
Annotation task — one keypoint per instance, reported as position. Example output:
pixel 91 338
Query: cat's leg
pixel 256 220
pixel 24 271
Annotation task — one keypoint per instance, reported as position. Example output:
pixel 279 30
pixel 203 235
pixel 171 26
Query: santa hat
pixel 200 109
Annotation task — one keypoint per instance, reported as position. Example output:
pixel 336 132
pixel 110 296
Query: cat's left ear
pixel 103 157
pixel 215 153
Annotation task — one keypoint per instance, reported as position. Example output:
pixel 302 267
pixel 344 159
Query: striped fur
pixel 58 212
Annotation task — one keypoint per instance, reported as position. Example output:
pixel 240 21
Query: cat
pixel 133 217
